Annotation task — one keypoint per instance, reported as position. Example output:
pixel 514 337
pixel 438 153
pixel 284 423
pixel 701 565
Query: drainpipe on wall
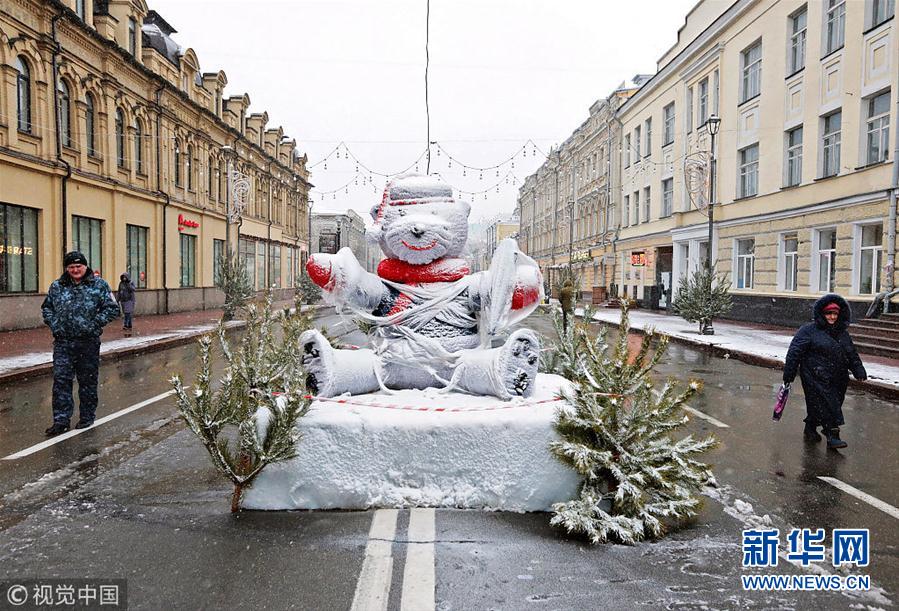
pixel 891 223
pixel 166 199
pixel 59 158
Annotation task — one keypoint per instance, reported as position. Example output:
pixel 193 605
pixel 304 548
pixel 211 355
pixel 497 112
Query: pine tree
pixel 249 422
pixel 568 355
pixel 310 291
pixel 234 281
pixel 616 432
pixel 703 297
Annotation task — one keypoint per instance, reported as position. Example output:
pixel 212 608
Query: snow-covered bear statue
pixel 434 322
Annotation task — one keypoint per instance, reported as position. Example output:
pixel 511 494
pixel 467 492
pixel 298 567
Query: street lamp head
pixel 712 125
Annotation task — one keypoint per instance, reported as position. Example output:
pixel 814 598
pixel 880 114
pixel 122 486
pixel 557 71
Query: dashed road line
pixel 862 496
pixel 706 417
pixel 419 574
pixel 59 438
pixel 373 585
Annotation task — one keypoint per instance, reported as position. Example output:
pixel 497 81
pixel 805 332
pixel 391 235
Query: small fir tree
pixel 249 422
pixel 702 297
pixel 234 281
pixel 617 434
pixel 310 290
pixel 568 355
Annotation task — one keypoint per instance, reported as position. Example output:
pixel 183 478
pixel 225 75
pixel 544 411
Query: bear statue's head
pixel 418 220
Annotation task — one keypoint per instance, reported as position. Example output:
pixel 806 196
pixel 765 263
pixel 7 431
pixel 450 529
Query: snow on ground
pixel 734 338
pixel 490 454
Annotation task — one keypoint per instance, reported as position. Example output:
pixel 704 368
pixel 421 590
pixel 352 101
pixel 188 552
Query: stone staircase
pixel 878 336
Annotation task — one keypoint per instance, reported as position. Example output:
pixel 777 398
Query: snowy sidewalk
pixel 755 344
pixel 30 351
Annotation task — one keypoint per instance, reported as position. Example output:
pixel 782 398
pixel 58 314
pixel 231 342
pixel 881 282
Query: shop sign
pixel 638 259
pixel 28 251
pixel 186 223
pixel 583 255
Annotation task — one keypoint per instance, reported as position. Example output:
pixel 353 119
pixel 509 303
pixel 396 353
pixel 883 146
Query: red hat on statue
pixel 832 307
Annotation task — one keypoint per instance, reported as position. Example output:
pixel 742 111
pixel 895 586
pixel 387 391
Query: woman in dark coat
pixel 824 354
pixel 126 298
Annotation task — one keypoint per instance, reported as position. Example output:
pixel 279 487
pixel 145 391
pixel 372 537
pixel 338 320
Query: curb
pixel 105 357
pixel 880 390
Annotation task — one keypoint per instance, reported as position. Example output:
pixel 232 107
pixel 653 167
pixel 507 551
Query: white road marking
pixel 419 580
pixel 862 496
pixel 54 440
pixel 699 414
pixel 373 586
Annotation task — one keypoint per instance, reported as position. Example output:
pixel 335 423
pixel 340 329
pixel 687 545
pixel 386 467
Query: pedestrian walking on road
pixel 823 354
pixel 77 307
pixel 126 297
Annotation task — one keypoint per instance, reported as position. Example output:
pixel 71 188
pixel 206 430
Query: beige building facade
pixel 114 142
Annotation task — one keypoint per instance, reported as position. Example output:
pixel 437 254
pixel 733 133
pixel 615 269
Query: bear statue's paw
pixel 518 360
pixel 318 360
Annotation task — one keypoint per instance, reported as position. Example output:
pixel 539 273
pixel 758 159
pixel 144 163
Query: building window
pixel 247 252
pixel 870 259
pixel 218 258
pixel 136 249
pixel 119 138
pixel 132 36
pixel 831 144
pixel 647 199
pixel 637 143
pixel 223 181
pixel 703 101
pixel 751 62
pixel 794 157
pixel 65 113
pixel 688 112
pixel 18 249
pixel 668 113
pixel 826 259
pixel 275 265
pixel 210 179
pixel 626 211
pixel 291 258
pixel 627 150
pixel 177 163
pixel 79 9
pixel 23 95
pixel 878 128
pixel 835 27
pixel 798 27
pixel 648 128
pixel 715 91
pixel 260 265
pixel 745 263
pixel 881 10
pixel 749 171
pixel 636 219
pixel 188 162
pixel 87 237
pixel 89 130
pixel 138 146
pixel 667 196
pixel 790 261
pixel 188 260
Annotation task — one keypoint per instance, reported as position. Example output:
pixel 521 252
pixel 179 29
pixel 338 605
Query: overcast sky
pixel 502 72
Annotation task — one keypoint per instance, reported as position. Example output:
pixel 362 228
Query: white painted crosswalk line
pixel 373 586
pixel 862 496
pixel 418 576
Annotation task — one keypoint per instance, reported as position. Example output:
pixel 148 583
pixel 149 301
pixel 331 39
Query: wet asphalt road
pixel 137 498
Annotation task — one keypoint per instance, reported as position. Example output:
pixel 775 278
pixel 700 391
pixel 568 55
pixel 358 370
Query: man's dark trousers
pixel 75 358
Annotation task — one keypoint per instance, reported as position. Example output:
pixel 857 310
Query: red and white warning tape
pixel 413 408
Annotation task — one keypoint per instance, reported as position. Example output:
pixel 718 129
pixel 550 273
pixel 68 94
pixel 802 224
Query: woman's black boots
pixel 833 439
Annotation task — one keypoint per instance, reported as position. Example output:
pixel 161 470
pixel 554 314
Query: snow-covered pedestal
pixel 488 453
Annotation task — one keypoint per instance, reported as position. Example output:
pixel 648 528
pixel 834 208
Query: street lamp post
pixel 712 126
pixel 227 151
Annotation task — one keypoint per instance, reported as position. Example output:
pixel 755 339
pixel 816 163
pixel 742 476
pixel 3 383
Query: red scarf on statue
pixel 441 270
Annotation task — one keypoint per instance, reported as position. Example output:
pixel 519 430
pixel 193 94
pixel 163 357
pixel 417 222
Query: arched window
pixel 177 163
pixel 65 107
pixel 210 182
pixel 23 95
pixel 190 167
pixel 120 138
pixel 223 181
pixel 89 124
pixel 138 146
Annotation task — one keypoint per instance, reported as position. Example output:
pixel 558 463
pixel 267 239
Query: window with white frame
pixel 751 66
pixel 626 211
pixel 789 261
pixel 745 263
pixel 688 111
pixel 703 102
pixel 668 113
pixel 667 196
pixel 715 91
pixel 831 144
pixel 749 171
pixel 798 28
pixel 636 219
pixel 648 129
pixel 637 143
pixel 647 200
pixel 881 10
pixel 870 258
pixel 793 173
pixel 825 243
pixel 627 150
pixel 878 127
pixel 834 25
